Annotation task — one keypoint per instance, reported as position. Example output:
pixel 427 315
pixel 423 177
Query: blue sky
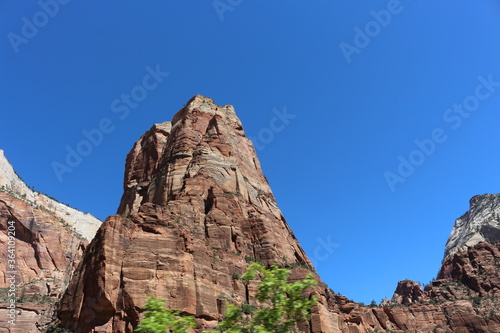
pixel 394 109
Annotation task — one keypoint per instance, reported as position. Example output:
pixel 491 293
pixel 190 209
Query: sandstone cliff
pixel 47 249
pixel 480 223
pixel 197 209
pixel 83 223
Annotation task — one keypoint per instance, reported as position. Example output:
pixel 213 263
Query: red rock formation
pixel 196 209
pixel 82 223
pixel 47 240
pixel 407 292
pixel 46 252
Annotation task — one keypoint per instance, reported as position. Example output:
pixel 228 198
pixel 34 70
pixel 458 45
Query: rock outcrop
pixel 480 223
pixel 407 292
pixel 465 295
pixel 44 245
pixel 83 223
pixel 197 209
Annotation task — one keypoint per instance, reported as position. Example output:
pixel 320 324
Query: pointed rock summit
pixel 203 166
pixel 480 223
pixel 202 150
pixel 197 209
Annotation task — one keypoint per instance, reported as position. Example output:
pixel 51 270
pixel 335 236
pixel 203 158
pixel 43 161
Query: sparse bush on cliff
pixel 56 329
pixel 281 305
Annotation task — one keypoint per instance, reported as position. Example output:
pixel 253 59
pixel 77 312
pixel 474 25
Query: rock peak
pixel 196 210
pixel 203 144
pixel 203 104
pixel 480 223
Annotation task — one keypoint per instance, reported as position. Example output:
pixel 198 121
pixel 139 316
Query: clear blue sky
pixel 364 80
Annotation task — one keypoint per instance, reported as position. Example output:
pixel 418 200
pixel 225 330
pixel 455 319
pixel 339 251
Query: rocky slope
pixel 480 223
pixel 83 223
pixel 465 295
pixel 46 248
pixel 197 209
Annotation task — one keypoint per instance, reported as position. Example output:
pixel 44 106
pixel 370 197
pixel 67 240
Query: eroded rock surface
pixel 46 253
pixel 83 223
pixel 197 209
pixel 49 238
pixel 480 223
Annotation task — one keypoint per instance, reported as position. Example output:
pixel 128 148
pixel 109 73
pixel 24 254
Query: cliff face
pixel 46 249
pixel 197 209
pixel 83 223
pixel 480 223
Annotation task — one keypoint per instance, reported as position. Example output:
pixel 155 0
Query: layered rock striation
pixel 197 209
pixel 480 223
pixel 45 247
pixel 465 294
pixel 84 224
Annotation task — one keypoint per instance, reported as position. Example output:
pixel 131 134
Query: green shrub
pixel 248 308
pixel 249 259
pixel 280 306
pixel 157 319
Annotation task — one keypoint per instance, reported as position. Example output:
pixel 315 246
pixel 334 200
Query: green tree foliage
pixel 159 320
pixel 281 304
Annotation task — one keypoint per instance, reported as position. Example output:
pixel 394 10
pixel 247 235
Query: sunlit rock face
pixel 197 209
pixel 84 224
pixel 480 223
pixel 46 242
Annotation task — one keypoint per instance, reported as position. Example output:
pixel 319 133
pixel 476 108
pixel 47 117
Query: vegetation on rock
pixel 282 305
